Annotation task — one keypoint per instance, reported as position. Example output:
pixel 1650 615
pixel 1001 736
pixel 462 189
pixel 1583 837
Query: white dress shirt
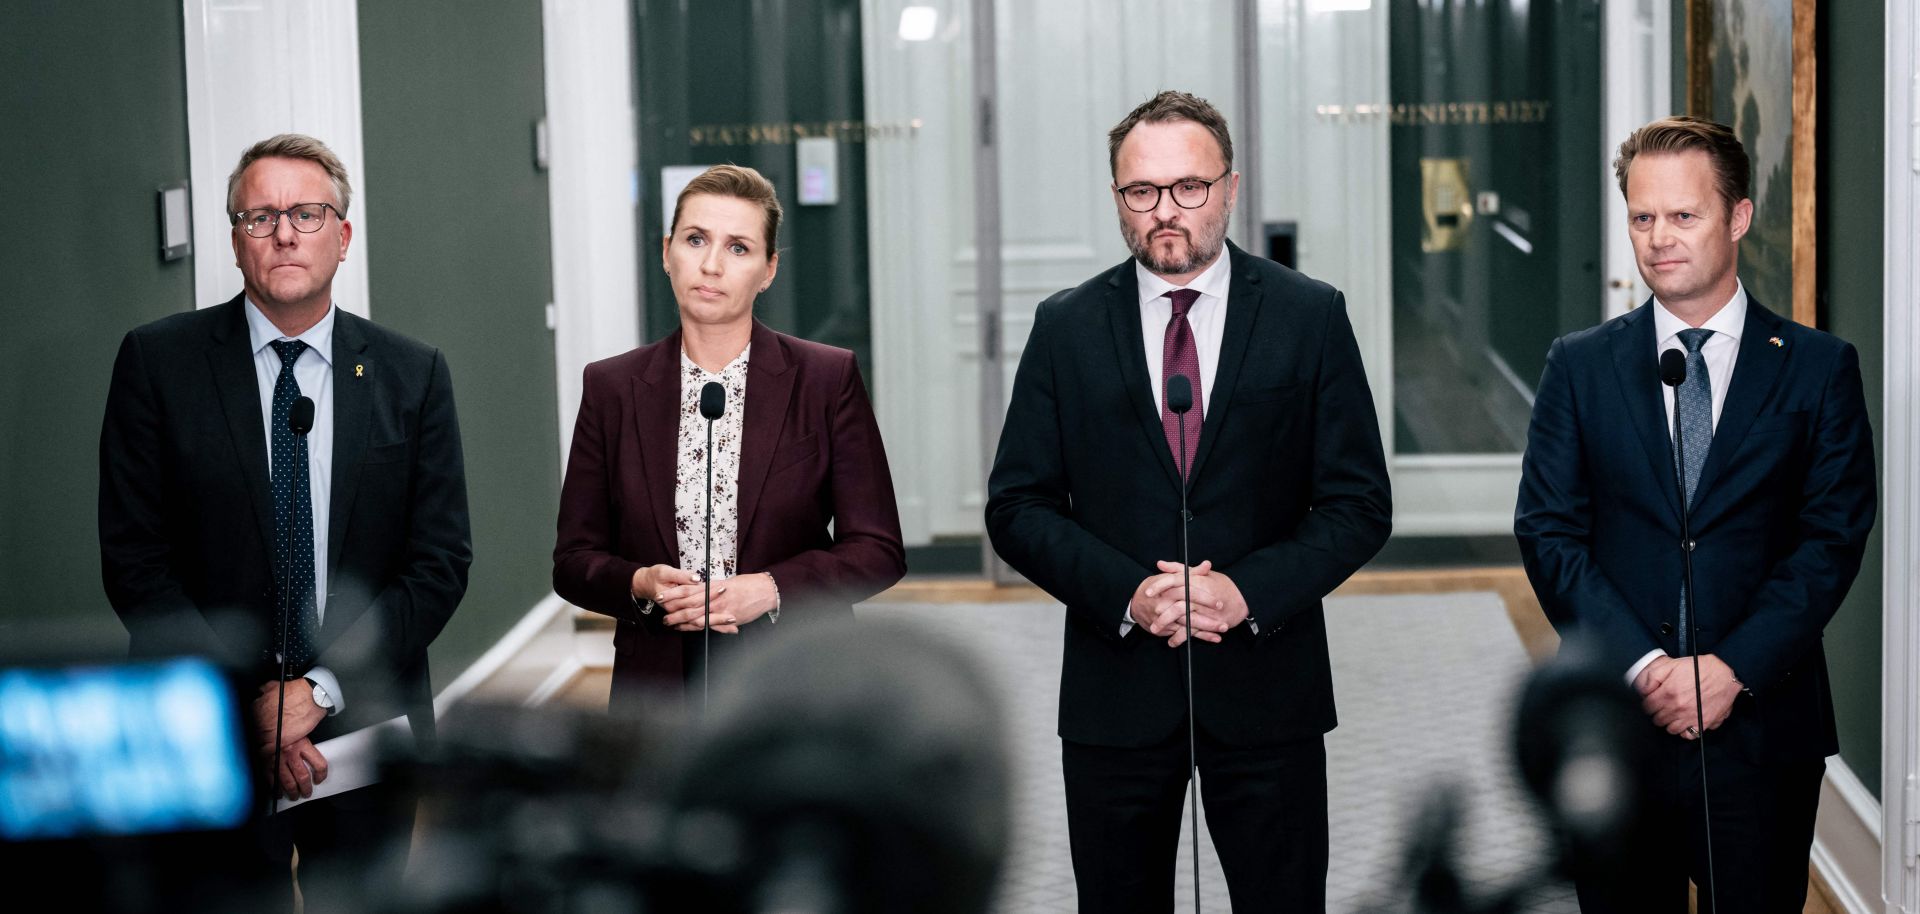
pixel 314 373
pixel 1719 352
pixel 1207 317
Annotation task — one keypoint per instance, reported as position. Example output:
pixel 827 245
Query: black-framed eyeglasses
pixel 306 218
pixel 1142 197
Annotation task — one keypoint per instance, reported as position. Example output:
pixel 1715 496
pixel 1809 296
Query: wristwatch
pixel 320 696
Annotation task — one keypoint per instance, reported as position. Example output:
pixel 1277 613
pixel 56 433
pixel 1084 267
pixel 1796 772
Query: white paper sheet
pixel 352 761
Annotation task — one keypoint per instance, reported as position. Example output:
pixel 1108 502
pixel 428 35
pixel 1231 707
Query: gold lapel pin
pixel 360 371
pixel 1776 342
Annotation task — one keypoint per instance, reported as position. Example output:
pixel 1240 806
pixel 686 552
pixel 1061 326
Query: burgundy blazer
pixel 810 456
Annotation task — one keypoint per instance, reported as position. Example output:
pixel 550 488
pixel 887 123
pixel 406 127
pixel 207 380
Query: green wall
pixel 796 62
pixel 1851 88
pixel 458 256
pixel 93 96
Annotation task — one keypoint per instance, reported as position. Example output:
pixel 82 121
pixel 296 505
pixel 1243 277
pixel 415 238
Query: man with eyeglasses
pixel 1287 495
pixel 282 490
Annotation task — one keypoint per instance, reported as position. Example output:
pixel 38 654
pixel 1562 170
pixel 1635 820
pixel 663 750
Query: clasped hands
pixel 301 764
pixel 1159 603
pixel 1666 693
pixel 680 595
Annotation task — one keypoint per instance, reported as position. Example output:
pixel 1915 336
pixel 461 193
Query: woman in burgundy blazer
pixel 807 452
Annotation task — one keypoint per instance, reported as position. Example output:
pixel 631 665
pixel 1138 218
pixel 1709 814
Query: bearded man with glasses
pixel 282 490
pixel 1286 495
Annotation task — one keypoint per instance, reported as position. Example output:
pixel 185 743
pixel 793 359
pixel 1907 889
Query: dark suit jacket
pixel 810 456
pixel 186 516
pixel 1780 514
pixel 1289 496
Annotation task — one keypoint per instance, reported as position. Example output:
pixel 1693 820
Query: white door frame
pixel 1638 87
pixel 241 89
pixel 1900 522
pixel 592 188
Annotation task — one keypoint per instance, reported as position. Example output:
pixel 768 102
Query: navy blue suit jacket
pixel 1780 514
pixel 1289 496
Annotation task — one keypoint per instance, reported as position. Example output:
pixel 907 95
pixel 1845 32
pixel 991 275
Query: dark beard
pixel 1198 254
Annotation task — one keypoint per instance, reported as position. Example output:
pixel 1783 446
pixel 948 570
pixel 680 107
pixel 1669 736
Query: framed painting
pixel 1750 64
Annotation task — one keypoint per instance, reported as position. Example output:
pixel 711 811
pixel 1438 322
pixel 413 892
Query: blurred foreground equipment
pixel 849 768
pixel 1581 743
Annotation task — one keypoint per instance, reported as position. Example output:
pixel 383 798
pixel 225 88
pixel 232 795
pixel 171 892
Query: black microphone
pixel 1673 373
pixel 1673 367
pixel 1179 397
pixel 713 405
pixel 1179 401
pixel 299 422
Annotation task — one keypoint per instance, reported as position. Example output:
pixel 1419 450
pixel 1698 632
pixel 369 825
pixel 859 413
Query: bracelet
pixel 773 615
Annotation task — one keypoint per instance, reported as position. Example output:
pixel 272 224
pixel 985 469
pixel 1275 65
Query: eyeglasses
pixel 1191 194
pixel 306 218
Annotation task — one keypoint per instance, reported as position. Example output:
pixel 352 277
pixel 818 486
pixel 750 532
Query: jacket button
pixel 1666 629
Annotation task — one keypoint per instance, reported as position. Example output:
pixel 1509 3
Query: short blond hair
pixel 292 146
pixel 1732 170
pixel 739 182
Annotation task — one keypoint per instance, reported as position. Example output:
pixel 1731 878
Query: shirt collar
pixel 1212 281
pixel 738 364
pixel 319 337
pixel 1729 321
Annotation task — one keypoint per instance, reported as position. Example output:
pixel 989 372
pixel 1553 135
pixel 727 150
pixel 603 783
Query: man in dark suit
pixel 1775 458
pixel 218 519
pixel 1288 491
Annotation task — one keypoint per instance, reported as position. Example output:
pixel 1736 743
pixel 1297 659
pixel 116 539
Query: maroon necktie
pixel 1178 356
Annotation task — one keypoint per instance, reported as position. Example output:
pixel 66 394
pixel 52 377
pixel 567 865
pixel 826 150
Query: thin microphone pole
pixel 1180 399
pixel 713 404
pixel 299 422
pixel 1673 377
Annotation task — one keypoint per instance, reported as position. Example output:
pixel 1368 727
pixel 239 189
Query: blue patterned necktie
pixel 1693 424
pixel 292 519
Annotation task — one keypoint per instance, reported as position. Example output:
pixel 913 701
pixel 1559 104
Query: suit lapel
pixel 231 360
pixel 1123 318
pixel 769 388
pixel 1243 306
pixel 353 395
pixel 656 419
pixel 1638 372
pixel 1754 374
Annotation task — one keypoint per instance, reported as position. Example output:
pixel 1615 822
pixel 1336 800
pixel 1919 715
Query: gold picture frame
pixel 1751 41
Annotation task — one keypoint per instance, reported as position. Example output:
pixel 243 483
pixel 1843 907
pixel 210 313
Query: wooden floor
pixel 590 688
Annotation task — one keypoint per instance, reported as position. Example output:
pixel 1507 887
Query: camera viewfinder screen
pixel 123 749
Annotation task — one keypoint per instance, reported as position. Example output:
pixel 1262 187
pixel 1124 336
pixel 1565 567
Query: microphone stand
pixel 706 585
pixel 1185 402
pixel 1693 635
pixel 286 609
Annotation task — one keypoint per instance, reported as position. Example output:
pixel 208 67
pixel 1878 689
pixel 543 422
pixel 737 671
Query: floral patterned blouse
pixel 689 502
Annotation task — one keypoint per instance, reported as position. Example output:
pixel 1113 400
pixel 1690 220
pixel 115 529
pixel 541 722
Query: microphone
pixel 713 405
pixel 1673 367
pixel 1673 373
pixel 299 422
pixel 1179 401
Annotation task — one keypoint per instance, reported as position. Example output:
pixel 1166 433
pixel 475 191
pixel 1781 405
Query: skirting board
pixel 529 651
pixel 1846 840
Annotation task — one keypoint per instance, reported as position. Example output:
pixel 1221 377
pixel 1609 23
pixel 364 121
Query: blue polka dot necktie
pixel 292 520
pixel 1693 416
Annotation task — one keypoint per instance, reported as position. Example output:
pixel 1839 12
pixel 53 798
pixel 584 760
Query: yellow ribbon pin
pixel 361 370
